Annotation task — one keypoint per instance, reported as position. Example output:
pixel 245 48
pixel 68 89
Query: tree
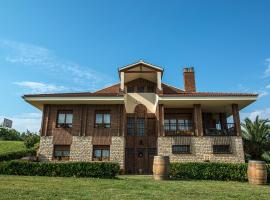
pixel 30 139
pixel 256 137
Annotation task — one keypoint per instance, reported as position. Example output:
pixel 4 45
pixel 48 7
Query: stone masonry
pixel 45 148
pixel 81 148
pixel 117 151
pixel 201 150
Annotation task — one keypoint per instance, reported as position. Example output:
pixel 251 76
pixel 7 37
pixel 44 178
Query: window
pixel 176 125
pixel 101 153
pixel 64 119
pixel 103 120
pixel 131 126
pixel 180 149
pixel 150 89
pixel 222 149
pixel 184 125
pixel 130 89
pixel 140 126
pixel 61 152
pixel 140 89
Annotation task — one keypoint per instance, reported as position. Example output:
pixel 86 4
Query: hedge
pixel 61 169
pixel 17 154
pixel 211 171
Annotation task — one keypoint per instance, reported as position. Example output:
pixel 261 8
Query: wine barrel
pixel 257 172
pixel 161 167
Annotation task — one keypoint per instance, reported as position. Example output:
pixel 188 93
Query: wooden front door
pixel 141 141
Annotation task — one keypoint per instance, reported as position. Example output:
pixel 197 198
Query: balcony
pixel 179 129
pixel 227 129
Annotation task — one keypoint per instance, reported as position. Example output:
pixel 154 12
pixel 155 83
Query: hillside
pixel 11 146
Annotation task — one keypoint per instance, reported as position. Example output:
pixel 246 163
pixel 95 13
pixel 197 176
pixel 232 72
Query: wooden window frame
pixel 182 152
pixel 101 148
pixel 62 148
pixel 64 125
pixel 216 146
pixel 102 124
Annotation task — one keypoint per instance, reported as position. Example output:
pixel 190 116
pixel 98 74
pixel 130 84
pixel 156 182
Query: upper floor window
pixel 103 119
pixel 130 89
pixel 64 118
pixel 174 124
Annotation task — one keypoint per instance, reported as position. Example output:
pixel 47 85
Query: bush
pixel 30 140
pixel 17 154
pixel 62 169
pixel 211 171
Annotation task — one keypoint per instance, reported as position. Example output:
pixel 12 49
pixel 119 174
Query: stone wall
pixel 45 152
pixel 201 150
pixel 81 148
pixel 117 151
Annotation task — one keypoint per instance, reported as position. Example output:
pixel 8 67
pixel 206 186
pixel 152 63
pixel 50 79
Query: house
pixel 140 117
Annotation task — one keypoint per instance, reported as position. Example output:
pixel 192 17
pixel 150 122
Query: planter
pixel 161 167
pixel 257 172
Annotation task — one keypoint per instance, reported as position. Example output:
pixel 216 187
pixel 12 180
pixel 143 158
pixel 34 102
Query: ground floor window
pixel 61 152
pixel 101 153
pixel 180 149
pixel 221 149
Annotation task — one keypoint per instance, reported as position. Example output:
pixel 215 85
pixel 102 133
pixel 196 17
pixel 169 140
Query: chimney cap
pixel 189 69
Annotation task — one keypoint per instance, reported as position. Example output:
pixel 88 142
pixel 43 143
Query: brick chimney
pixel 189 79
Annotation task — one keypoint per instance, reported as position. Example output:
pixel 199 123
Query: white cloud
pixel 38 87
pixel 262 113
pixel 267 71
pixel 262 94
pixel 25 121
pixel 36 56
pixel 268 87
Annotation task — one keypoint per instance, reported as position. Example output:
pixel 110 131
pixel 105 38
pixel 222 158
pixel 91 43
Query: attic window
pixel 150 89
pixel 140 89
pixel 130 89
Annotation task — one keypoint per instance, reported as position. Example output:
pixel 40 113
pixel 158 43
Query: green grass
pixel 11 146
pixel 126 187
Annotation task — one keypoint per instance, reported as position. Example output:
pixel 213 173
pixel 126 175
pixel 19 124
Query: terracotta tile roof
pixel 209 94
pixel 114 91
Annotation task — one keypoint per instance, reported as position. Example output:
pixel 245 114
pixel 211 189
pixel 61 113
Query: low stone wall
pixel 81 148
pixel 117 151
pixel 45 152
pixel 201 150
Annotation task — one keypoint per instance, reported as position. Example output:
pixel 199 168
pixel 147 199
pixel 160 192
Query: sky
pixel 77 45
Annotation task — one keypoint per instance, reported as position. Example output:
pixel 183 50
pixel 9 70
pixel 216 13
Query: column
pixel 236 119
pixel 198 120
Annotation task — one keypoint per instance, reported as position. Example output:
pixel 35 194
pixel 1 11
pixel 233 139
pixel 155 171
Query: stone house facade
pixel 140 117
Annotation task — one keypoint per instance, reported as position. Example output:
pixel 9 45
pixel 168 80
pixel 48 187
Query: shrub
pixel 211 171
pixel 62 169
pixel 30 140
pixel 9 134
pixel 17 154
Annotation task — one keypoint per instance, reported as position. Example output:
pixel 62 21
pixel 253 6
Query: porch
pixel 200 121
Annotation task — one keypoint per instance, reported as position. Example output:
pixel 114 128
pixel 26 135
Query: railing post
pixel 236 119
pixel 198 120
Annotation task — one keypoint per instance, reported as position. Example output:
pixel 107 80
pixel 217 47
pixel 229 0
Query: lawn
pixel 11 146
pixel 126 187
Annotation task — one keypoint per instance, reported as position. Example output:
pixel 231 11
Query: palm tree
pixel 256 137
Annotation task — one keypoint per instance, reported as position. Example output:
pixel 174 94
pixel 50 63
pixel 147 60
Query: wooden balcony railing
pixel 180 129
pixel 227 129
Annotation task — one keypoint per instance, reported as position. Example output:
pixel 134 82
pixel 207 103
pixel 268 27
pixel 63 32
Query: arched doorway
pixel 141 139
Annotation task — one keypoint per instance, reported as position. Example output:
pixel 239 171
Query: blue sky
pixel 62 46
